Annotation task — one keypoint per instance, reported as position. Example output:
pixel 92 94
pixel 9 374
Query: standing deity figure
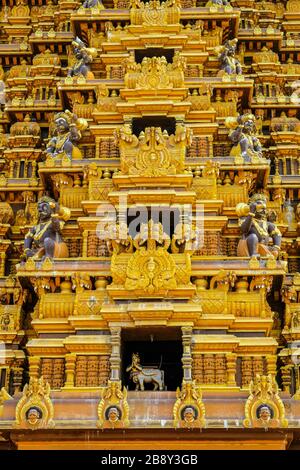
pixel 229 64
pixel 44 240
pixel 66 133
pixel 83 56
pixel 244 137
pixel 257 230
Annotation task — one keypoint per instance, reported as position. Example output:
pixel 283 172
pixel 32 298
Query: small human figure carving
pixel 189 415
pixel 93 4
pixel 113 415
pixel 257 230
pixel 44 240
pixel 265 418
pixel 217 3
pixel 228 62
pixel 34 416
pixel 243 136
pixel 67 132
pixel 83 57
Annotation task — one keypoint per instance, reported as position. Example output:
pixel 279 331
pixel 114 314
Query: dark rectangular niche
pixel 169 217
pixel 157 348
pixel 166 124
pixel 139 54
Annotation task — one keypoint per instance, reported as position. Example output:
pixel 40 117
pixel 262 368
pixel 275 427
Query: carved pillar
pixel 209 368
pixel 103 370
pixel 115 357
pixel 70 369
pixel 108 71
pixel 187 353
pixel 84 243
pixel 247 371
pixel 26 164
pixel 33 171
pixel 2 263
pixel 34 366
pixel 258 366
pixel 220 370
pixel 17 378
pixel 286 377
pixel 271 365
pixel 11 169
pixel 198 368
pixel 211 146
pixel 231 369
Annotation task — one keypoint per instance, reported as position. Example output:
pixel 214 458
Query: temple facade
pixel 150 224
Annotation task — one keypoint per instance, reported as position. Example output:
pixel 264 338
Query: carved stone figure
pixel 35 409
pixel 189 410
pixel 67 132
pixel 243 136
pixel 218 3
pixel 189 414
pixel 227 59
pixel 264 407
pixel 34 416
pixel 45 239
pixel 83 57
pixel 141 375
pixel 257 230
pixel 113 414
pixel 113 409
pixel 93 4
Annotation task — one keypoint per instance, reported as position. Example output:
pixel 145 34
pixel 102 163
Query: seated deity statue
pixel 243 136
pixel 44 240
pixel 66 134
pixel 257 230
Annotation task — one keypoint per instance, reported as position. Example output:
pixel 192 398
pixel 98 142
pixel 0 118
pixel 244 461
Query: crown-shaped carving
pixel 189 410
pixel 154 12
pixel 143 266
pixel 264 407
pixel 113 409
pixel 154 152
pixel 155 72
pixel 35 409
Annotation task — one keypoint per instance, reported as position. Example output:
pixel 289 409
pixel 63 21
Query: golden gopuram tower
pixel 150 224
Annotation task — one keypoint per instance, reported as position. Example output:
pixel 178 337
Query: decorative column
pixel 84 243
pixel 231 369
pixel 34 366
pixel 70 370
pixel 115 357
pixel 2 263
pixel 271 365
pixel 17 373
pixel 286 377
pixel 187 353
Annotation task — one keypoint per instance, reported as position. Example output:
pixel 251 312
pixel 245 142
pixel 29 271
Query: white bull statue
pixel 141 375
